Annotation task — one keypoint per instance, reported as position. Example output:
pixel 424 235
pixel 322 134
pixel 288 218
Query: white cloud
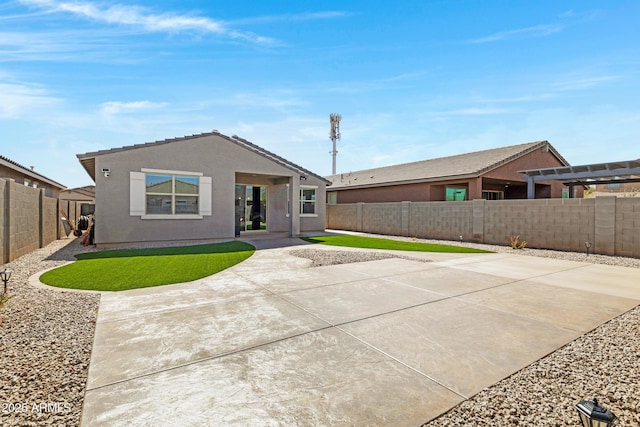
pixel 528 32
pixel 18 99
pixel 580 83
pixel 310 16
pixel 475 111
pixel 114 108
pixel 143 18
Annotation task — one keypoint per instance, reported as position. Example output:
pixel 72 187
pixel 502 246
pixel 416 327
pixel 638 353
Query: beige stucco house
pixel 200 187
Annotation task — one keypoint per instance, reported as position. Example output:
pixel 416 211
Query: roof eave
pixel 30 173
pixel 88 162
pixel 87 158
pixel 406 182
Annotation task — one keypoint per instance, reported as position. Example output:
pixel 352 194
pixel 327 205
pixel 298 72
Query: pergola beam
pixel 578 175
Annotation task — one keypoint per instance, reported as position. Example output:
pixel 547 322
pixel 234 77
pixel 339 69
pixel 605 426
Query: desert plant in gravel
pixel 3 300
pixel 516 243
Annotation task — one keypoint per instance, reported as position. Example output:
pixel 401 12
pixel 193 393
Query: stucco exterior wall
pixel 537 159
pixel 611 224
pixel 214 157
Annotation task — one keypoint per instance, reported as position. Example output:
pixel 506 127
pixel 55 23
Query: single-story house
pixel 86 194
pixel 489 174
pixel 623 189
pixel 29 177
pixel 200 187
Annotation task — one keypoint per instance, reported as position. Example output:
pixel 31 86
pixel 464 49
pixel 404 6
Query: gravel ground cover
pixel 46 338
pixel 45 341
pixel 322 257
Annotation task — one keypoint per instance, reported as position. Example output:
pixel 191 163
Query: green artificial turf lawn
pixel 119 270
pixel 377 243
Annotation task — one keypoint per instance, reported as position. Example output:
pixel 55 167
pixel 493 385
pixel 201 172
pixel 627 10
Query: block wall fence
pixel 29 219
pixel 611 224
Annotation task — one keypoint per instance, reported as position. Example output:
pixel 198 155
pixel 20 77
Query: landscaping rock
pixel 322 257
pixel 46 338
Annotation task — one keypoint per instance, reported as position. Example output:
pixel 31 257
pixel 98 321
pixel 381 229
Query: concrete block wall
pixel 343 217
pixel 4 234
pixel 29 219
pixel 24 213
pixel 627 226
pixel 562 224
pixel 383 218
pixel 611 224
pixel 441 220
pixel 49 221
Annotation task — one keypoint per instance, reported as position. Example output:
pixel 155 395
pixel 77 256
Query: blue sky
pixel 412 79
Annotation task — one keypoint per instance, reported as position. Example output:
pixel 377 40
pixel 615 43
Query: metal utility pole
pixel 334 119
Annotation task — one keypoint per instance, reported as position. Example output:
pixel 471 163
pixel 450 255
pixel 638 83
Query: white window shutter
pixel 205 195
pixel 137 194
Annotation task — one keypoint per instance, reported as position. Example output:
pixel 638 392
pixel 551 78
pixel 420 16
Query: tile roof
pixel 88 159
pixel 459 166
pixel 5 161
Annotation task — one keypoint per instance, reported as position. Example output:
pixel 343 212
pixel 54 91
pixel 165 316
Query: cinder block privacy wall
pixel 29 219
pixel 611 224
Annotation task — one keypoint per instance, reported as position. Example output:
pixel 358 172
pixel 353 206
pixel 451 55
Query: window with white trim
pixel 171 194
pixel 308 200
pixel 158 194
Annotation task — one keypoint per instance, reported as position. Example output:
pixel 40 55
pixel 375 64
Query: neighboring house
pixel 29 177
pixel 489 174
pixel 207 186
pixel 623 189
pixel 86 194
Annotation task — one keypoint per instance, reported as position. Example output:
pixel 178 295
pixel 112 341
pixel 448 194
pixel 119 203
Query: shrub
pixel 516 244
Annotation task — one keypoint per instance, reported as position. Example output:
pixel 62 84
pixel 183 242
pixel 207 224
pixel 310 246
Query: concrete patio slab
pixel 386 267
pixel 560 306
pixel 602 279
pixel 321 378
pixel 389 342
pixel 449 281
pixel 351 301
pixel 283 280
pixel 225 285
pixel 521 267
pixel 148 343
pixel 463 346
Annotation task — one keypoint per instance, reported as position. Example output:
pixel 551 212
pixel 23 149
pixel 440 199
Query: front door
pixel 251 208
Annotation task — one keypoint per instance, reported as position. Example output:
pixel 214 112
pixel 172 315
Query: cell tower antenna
pixel 334 134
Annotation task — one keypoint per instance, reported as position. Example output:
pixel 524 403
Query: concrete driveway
pixel 390 342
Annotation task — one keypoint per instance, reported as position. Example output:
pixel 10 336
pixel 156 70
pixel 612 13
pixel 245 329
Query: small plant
pixel 3 299
pixel 516 244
